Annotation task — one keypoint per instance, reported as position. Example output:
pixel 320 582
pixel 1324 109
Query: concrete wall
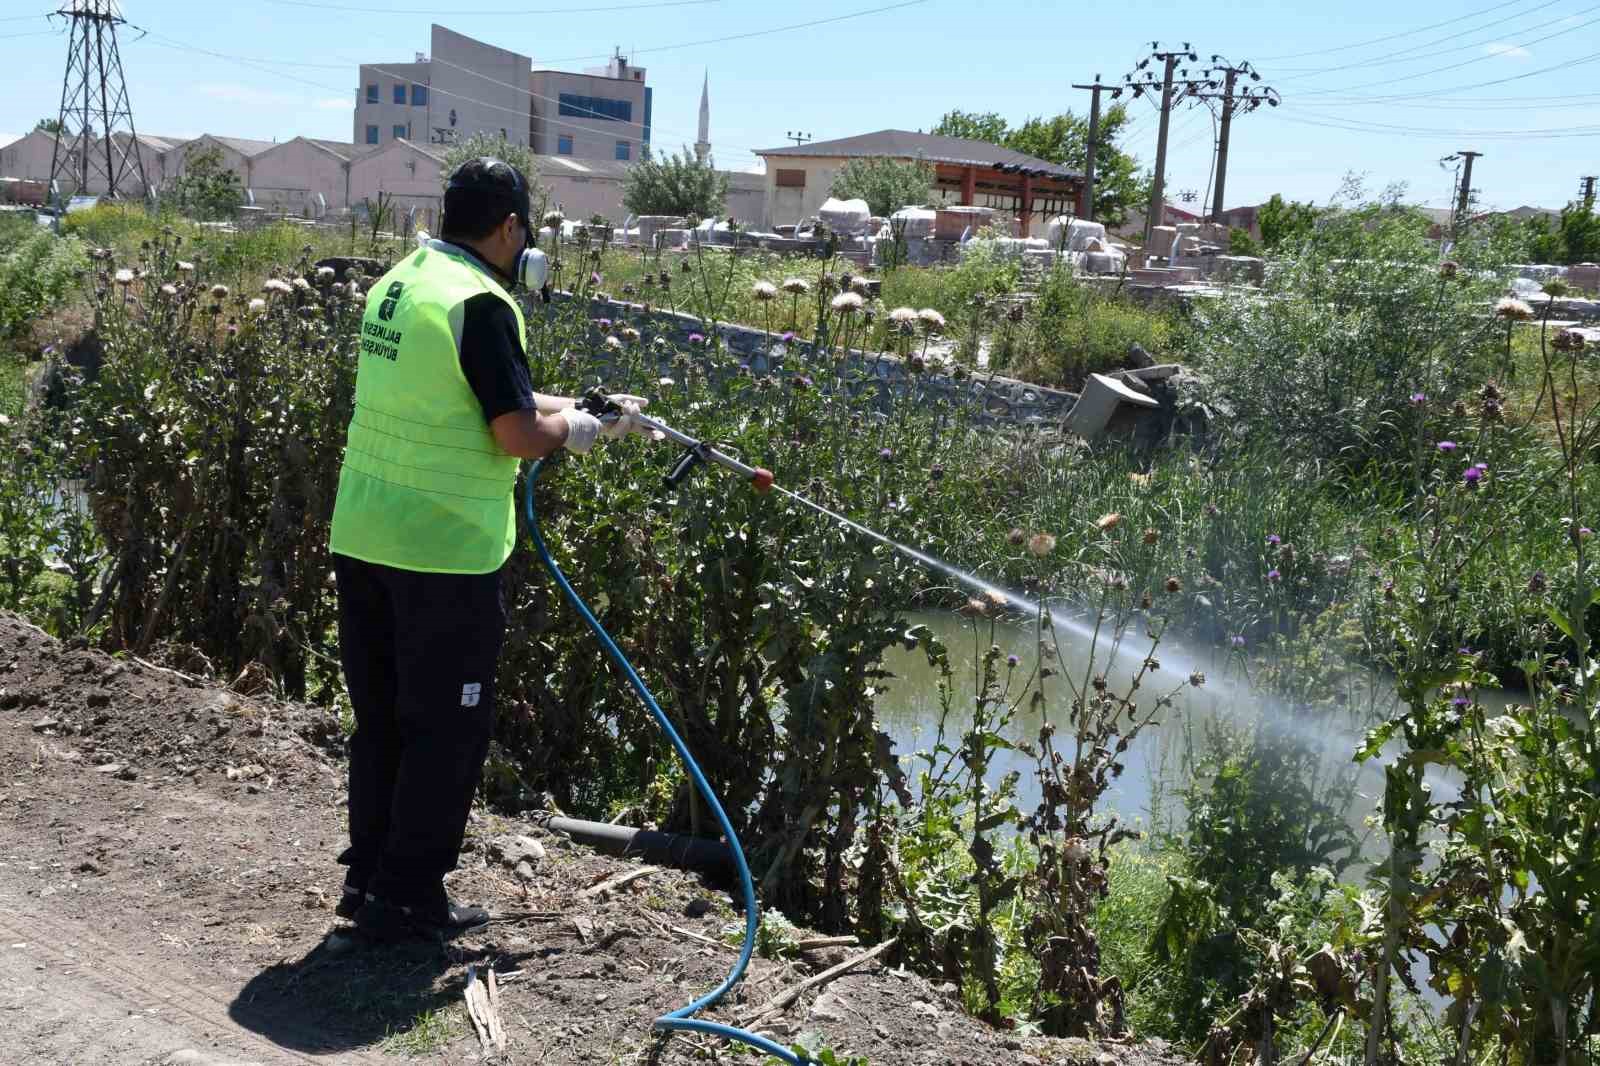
pixel 747 198
pixel 404 172
pixel 592 138
pixel 176 161
pixel 30 157
pixel 787 205
pixel 386 114
pixel 291 175
pixel 487 88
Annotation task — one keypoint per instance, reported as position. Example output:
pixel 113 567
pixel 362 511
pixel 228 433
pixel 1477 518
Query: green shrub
pixel 36 273
pixel 1074 329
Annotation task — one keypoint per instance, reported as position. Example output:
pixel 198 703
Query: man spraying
pixel 422 526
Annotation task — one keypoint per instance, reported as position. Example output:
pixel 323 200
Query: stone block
pixel 1161 241
pixel 1585 277
pixel 1241 268
pixel 951 222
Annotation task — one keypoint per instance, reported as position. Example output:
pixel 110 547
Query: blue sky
pixel 1446 75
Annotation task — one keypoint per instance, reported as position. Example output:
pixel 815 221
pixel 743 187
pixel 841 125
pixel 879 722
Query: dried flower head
pixel 764 290
pixel 169 290
pixel 1197 679
pixel 302 284
pixel 613 342
pixel 553 219
pixel 797 286
pixel 256 306
pixel 1174 585
pixel 629 334
pixel 123 277
pixel 1016 537
pixel 1449 269
pixel 1107 522
pixel 1041 544
pixel 184 266
pixel 1513 309
pixel 904 318
pixel 1568 340
pixel 1152 535
pixel 860 284
pixel 847 303
pixel 931 320
pixel 219 291
pixel 325 275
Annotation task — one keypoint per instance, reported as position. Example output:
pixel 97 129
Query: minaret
pixel 702 147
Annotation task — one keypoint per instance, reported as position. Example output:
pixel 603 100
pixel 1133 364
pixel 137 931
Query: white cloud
pixel 1509 51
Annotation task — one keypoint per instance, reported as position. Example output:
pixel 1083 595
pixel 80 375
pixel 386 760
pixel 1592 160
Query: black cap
pixel 486 179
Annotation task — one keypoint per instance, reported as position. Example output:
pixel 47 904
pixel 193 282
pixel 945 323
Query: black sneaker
pixel 351 901
pixel 381 919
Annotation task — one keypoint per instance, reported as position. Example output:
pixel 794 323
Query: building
pixel 30 157
pixel 466 86
pixel 234 153
pixel 800 177
pixel 601 114
pixel 304 176
pixel 408 176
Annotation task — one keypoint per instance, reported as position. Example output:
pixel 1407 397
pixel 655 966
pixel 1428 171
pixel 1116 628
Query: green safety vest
pixel 424 485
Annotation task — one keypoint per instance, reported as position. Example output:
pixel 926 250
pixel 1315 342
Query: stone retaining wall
pixel 889 380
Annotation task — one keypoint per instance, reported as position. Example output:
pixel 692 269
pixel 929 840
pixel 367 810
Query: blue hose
pixel 681 1019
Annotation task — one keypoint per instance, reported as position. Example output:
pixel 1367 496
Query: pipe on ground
pixel 663 849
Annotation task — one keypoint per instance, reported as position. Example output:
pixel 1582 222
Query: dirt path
pixel 167 882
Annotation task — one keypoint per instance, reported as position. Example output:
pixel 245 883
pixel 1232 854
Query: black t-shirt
pixel 492 357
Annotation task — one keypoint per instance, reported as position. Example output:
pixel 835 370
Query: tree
pixel 49 125
pixel 987 126
pixel 207 189
pixel 1064 139
pixel 676 184
pixel 886 185
pixel 1285 221
pixel 481 144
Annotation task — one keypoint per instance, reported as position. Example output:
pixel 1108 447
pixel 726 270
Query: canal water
pixel 1224 712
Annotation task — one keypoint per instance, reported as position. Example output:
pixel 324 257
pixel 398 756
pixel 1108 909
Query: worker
pixel 422 525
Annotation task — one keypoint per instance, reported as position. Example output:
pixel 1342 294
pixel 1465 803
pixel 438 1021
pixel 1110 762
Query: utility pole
pixel 1094 141
pixel 1155 215
pixel 797 137
pixel 1236 100
pixel 1175 86
pixel 1586 190
pixel 95 93
pixel 1464 194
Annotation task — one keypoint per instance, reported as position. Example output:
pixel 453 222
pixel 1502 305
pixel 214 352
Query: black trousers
pixel 419 654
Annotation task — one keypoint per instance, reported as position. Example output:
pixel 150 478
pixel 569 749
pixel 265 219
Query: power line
pixel 1432 93
pixel 25 18
pixel 1554 133
pixel 1452 66
pixel 1393 36
pixel 1405 55
pixel 32 33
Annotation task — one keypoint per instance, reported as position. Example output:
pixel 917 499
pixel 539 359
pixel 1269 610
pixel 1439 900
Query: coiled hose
pixel 683 1018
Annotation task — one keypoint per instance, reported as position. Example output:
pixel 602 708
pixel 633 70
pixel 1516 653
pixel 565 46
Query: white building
pixel 466 86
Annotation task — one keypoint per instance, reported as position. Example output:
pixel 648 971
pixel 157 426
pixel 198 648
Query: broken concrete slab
pixel 1098 403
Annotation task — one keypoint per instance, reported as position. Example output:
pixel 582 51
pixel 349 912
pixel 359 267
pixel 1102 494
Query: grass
pixel 427 1033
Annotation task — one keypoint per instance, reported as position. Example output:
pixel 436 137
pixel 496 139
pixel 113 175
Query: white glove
pixel 582 429
pixel 619 426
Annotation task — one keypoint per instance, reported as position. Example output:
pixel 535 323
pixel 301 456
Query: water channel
pixel 1225 710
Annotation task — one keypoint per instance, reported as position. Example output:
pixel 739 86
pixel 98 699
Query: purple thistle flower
pixel 1273 576
pixel 1418 399
pixel 1273 540
pixel 1472 475
pixel 787 336
pixel 1461 703
pixel 1236 641
pixel 695 338
pixel 1446 446
pixel 1012 661
pixel 1464 651
pixel 885 454
pixel 594 279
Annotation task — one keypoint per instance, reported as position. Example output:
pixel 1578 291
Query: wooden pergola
pixel 1013 187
